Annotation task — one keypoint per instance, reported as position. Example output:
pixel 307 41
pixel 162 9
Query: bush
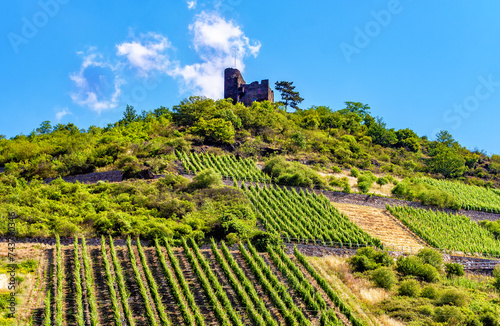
pixel 409 288
pixel 453 297
pixel 431 257
pixel 362 263
pixel 355 172
pixel 489 319
pixel 450 315
pixel 384 277
pixel 365 182
pixel 454 269
pixel 206 179
pixel 382 181
pixel 414 266
pixel 292 173
pixel 429 292
pixel 263 239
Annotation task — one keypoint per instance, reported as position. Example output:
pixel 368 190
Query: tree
pixel 45 128
pixel 448 162
pixel 129 115
pixel 445 138
pixel 358 108
pixel 288 95
pixel 214 130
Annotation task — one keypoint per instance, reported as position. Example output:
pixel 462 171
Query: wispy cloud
pixel 146 53
pixel 191 4
pixel 216 41
pixel 62 113
pixel 97 83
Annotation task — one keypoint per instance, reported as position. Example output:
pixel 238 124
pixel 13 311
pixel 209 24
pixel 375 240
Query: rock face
pixel 236 88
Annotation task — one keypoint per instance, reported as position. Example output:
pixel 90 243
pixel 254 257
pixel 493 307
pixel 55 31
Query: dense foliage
pixel 448 231
pixel 417 293
pixel 169 207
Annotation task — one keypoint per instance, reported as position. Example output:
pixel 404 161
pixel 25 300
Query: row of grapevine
pixel 220 312
pixel 277 291
pixel 469 197
pixel 254 315
pixel 77 276
pixel 90 285
pixel 184 285
pixel 248 286
pixel 121 284
pixel 328 289
pixel 296 279
pixel 214 282
pixel 249 302
pixel 226 165
pixel 150 315
pixel 447 230
pixel 176 291
pixel 59 286
pixel 110 282
pixel 304 215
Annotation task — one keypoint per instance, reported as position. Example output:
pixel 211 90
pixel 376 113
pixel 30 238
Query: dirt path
pixel 380 224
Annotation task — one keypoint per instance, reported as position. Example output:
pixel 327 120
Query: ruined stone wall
pixel 236 88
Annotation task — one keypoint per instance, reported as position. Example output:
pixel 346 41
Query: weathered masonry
pixel 236 88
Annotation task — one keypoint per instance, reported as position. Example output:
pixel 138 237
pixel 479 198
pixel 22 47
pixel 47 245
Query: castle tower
pixel 236 88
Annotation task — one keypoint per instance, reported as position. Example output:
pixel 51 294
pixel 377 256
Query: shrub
pixel 384 277
pixel 263 239
pixel 206 179
pixel 453 297
pixel 409 288
pixel 431 257
pixel 454 269
pixel 365 182
pixel 292 173
pixel 489 319
pixel 362 263
pixel 429 292
pixel 355 172
pixel 450 315
pixel 427 273
pixel 382 181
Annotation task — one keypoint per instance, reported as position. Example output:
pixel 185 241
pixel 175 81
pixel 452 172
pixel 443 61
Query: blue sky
pixel 426 65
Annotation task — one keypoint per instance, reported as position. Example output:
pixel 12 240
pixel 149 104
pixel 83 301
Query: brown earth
pixel 382 225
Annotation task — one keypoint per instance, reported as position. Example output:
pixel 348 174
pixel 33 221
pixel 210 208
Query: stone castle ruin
pixel 236 88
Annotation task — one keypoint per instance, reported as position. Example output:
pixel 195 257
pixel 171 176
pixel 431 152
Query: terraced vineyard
pixel 226 165
pixel 470 197
pixel 448 231
pixel 304 215
pixel 134 284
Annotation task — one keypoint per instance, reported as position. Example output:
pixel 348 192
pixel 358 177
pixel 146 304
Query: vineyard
pixel 133 284
pixel 448 231
pixel 304 215
pixel 469 197
pixel 227 165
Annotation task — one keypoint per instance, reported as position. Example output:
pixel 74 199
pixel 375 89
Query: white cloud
pixel 97 83
pixel 146 53
pixel 61 114
pixel 191 4
pixel 216 41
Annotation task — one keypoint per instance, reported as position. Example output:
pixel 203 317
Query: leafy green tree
pixel 448 162
pixel 380 134
pixel 445 138
pixel 408 139
pixel 129 115
pixel 45 128
pixel 288 95
pixel 358 108
pixel 215 130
